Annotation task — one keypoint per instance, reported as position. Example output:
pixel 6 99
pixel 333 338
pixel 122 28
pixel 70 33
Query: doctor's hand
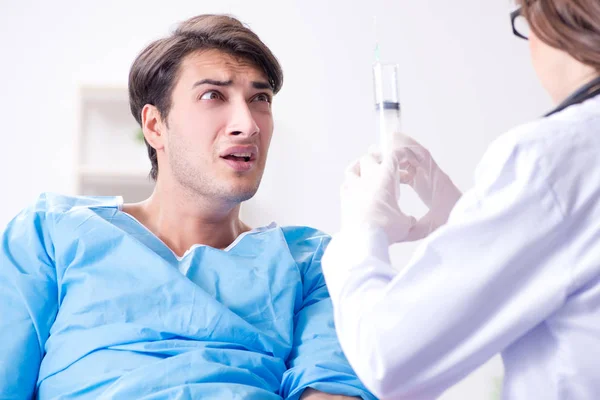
pixel 370 196
pixel 432 185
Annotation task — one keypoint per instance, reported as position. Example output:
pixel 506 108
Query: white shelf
pixel 101 93
pixel 107 174
pixel 110 161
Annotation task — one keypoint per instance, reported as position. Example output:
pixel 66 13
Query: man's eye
pixel 263 97
pixel 211 95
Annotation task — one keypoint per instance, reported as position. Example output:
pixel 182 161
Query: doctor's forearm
pixel 381 351
pixel 355 289
pixel 360 334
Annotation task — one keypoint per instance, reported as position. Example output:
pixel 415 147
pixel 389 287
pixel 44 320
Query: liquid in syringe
pixel 387 103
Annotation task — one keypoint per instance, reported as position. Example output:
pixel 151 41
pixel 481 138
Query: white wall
pixel 465 79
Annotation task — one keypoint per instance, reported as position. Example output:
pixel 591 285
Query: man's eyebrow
pixel 261 85
pixel 212 82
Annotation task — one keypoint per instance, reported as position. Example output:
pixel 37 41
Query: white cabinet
pixel 111 159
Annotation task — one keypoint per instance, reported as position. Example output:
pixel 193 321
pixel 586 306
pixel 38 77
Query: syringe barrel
pixel 387 102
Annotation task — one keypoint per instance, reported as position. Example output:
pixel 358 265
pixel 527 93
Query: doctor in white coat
pixel 511 266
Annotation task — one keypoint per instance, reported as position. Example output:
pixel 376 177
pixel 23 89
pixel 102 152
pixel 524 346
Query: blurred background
pixel 66 126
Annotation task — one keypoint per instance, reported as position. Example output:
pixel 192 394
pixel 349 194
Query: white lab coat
pixel 515 270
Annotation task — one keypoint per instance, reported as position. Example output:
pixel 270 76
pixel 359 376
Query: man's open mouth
pixel 246 157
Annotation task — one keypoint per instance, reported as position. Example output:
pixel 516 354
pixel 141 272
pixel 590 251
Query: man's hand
pixel 312 394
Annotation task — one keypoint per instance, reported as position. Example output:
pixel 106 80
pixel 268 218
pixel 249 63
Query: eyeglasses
pixel 520 26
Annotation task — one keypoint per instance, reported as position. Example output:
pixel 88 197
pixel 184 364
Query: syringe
pixel 387 103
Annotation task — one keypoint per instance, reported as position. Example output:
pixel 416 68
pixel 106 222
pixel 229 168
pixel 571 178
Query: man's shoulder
pixel 56 202
pixel 304 235
pixel 50 205
pixel 40 219
pixel 306 244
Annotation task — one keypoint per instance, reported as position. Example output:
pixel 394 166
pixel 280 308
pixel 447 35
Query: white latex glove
pixel 433 186
pixel 370 196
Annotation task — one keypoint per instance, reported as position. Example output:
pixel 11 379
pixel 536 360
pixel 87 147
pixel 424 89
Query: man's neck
pixel 180 221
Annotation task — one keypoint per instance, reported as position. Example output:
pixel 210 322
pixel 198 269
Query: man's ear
pixel 153 127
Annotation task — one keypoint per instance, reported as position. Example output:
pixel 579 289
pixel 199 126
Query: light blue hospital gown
pixel 102 309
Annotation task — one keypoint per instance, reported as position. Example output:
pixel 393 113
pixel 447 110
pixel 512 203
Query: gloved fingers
pixel 365 168
pixel 420 153
pixel 403 225
pixel 400 139
pixel 422 228
pixel 407 174
pixel 403 139
pixel 374 148
pixel 375 152
pixel 351 178
pixel 353 170
pixel 369 165
pixel 405 156
pixel 364 165
pixel 390 174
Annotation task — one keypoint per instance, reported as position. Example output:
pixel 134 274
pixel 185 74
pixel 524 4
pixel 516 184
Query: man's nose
pixel 242 121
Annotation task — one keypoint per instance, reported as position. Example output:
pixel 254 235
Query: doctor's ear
pixel 153 126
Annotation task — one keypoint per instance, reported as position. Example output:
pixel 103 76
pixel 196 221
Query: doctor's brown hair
pixel 155 71
pixel 569 25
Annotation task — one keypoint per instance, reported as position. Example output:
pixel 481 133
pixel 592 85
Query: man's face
pixel 219 126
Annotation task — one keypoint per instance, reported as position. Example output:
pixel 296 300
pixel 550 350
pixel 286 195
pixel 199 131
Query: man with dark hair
pixel 175 297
